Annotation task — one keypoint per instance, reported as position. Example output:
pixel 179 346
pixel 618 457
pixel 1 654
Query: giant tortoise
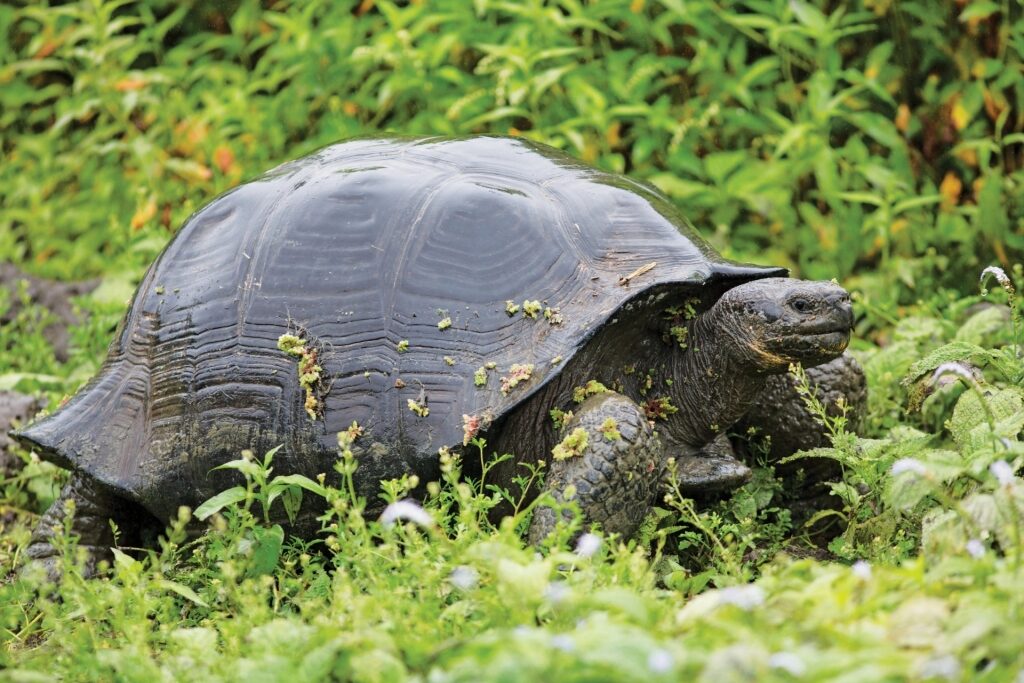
pixel 434 291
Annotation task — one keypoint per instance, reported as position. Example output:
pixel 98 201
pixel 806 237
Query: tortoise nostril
pixel 840 299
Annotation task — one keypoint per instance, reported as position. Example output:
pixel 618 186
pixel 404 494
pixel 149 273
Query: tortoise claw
pixel 704 473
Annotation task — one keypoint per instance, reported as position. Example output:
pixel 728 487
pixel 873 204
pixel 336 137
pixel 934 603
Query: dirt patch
pixel 51 295
pixel 14 408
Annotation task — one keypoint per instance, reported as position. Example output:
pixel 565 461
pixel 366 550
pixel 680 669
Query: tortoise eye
pixel 801 305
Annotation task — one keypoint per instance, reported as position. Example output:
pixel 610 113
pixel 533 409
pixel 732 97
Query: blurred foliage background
pixel 878 142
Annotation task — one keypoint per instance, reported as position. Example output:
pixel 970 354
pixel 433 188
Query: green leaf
pixel 978 9
pixel 220 501
pixel 916 203
pixel 679 188
pixel 300 481
pixel 809 15
pixel 291 498
pixel 721 164
pixel 183 591
pixel 122 560
pixel 250 468
pixel 991 218
pixel 862 197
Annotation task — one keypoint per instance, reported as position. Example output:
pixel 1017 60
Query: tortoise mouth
pixel 817 346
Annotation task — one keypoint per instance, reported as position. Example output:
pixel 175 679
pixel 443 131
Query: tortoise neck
pixel 715 385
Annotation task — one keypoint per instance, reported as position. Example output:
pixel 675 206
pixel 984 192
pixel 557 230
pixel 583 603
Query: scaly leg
pixel 613 474
pixel 93 508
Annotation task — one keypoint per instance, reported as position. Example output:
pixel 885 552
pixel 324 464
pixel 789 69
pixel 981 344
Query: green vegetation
pixel 879 143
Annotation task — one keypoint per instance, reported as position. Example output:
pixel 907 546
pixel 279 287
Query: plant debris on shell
pixel 309 371
pixel 518 373
pixel 572 445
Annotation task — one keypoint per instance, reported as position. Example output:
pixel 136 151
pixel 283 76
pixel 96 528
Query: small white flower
pixel 660 661
pixel 745 597
pixel 1000 275
pixel 407 510
pixel 587 545
pixel 788 662
pixel 975 548
pixel 942 666
pixel 1002 471
pixel 464 578
pixel 912 465
pixel 557 592
pixel 562 642
pixel 958 369
pixel 862 570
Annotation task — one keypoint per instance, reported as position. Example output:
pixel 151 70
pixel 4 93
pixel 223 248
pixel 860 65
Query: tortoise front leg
pixel 611 465
pixel 781 415
pixel 91 508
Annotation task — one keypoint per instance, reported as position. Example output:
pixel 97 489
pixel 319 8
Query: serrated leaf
pixel 267 544
pixel 948 353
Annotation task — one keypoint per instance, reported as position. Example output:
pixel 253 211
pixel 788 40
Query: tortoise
pixel 433 291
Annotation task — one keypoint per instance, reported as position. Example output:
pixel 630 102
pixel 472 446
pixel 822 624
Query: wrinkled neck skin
pixel 714 384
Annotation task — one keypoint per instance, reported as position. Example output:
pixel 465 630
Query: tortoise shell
pixel 394 259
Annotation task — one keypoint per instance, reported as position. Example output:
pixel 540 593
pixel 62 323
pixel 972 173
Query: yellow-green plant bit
pixel 531 308
pixel 518 373
pixel 309 370
pixel 572 445
pixel 580 394
pixel 418 407
pixel 610 429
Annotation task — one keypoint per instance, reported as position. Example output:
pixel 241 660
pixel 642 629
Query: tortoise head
pixel 774 322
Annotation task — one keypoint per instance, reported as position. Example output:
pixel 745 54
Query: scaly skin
pixel 752 333
pixel 615 479
pixel 781 416
pixel 92 511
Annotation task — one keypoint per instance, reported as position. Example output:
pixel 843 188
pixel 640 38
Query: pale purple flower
pixel 464 578
pixel 1001 277
pixel 788 662
pixel 660 661
pixel 556 592
pixel 975 548
pixel 1002 471
pixel 912 465
pixel 953 368
pixel 562 642
pixel 942 666
pixel 745 597
pixel 588 545
pixel 406 510
pixel 862 570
